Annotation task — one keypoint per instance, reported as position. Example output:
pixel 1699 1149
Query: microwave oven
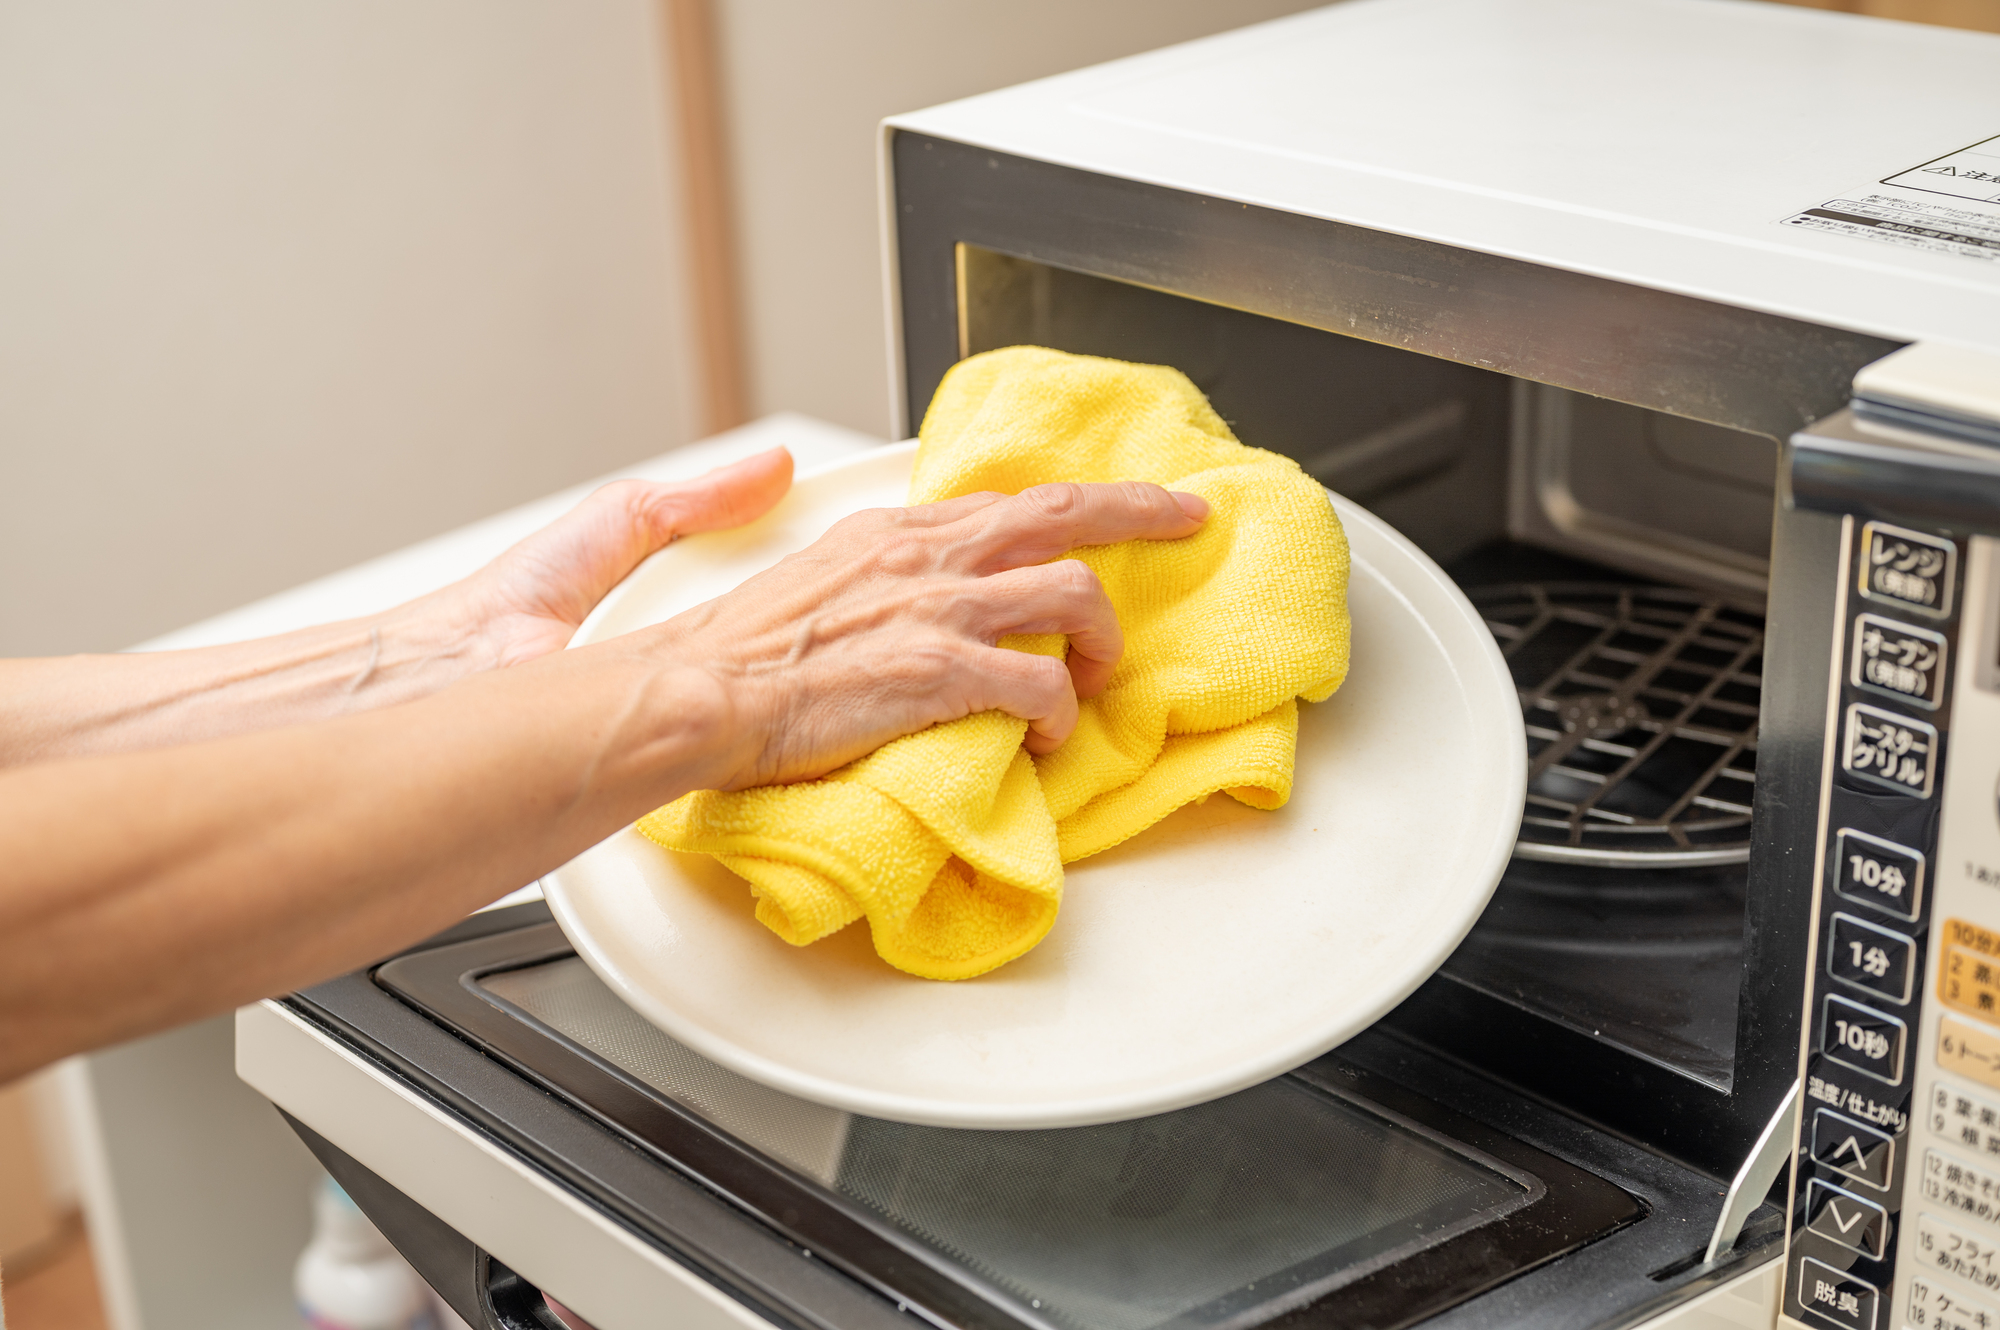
pixel 1671 330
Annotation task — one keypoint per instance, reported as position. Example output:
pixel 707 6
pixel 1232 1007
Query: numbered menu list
pixel 1897 649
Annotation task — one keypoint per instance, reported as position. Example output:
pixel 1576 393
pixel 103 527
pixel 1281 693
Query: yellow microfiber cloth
pixel 951 841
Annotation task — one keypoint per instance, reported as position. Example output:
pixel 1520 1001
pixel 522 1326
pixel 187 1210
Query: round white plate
pixel 1218 949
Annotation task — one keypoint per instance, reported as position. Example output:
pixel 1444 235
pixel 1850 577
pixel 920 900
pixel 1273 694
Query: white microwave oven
pixel 1670 329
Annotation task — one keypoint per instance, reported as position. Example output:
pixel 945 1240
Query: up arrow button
pixel 1855 1148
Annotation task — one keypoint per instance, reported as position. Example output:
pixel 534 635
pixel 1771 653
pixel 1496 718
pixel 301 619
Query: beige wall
pixel 288 283
pixel 805 84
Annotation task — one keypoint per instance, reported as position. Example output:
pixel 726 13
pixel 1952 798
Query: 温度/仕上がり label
pixel 1950 205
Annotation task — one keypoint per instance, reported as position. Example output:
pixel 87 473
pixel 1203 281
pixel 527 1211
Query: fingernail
pixel 1192 504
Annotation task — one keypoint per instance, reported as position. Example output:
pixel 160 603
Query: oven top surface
pixel 1738 152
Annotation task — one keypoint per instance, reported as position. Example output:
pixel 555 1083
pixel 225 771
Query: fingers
pixel 1063 597
pixel 891 621
pixel 1046 521
pixel 946 511
pixel 1035 688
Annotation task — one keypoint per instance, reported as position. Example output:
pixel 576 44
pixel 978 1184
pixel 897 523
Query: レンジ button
pixel 1908 569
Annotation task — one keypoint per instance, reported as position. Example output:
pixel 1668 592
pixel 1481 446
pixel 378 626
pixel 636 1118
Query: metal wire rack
pixel 1641 710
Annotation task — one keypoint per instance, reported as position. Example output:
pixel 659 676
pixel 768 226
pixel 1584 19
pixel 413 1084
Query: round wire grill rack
pixel 1641 709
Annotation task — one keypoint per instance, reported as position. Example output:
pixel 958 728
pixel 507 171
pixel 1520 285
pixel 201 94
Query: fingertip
pixel 773 464
pixel 1193 505
pixel 1088 675
pixel 730 495
pixel 782 456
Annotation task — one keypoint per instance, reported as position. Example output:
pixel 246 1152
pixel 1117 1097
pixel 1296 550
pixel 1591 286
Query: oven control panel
pixel 1895 1208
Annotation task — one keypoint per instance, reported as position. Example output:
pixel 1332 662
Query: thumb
pixel 725 497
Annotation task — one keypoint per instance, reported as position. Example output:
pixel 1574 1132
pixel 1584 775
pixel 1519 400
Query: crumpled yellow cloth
pixel 951 841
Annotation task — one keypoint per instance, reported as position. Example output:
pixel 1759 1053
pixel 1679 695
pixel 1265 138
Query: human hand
pixel 529 601
pixel 889 623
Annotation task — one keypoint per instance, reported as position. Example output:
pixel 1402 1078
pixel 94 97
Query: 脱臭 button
pixel 1835 1296
pixel 1854 1148
pixel 1872 957
pixel 1878 873
pixel 1862 1038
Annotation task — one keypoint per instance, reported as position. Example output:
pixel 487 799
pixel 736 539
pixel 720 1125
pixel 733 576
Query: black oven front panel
pixel 1889 713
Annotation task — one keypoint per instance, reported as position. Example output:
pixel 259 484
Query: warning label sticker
pixel 1948 206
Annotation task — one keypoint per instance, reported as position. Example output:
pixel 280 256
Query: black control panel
pixel 1898 646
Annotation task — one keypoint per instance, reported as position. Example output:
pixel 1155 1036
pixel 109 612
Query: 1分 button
pixel 1854 1148
pixel 1836 1297
pixel 1866 1040
pixel 1845 1218
pixel 1878 873
pixel 1872 957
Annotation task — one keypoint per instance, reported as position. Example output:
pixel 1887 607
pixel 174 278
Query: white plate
pixel 1218 949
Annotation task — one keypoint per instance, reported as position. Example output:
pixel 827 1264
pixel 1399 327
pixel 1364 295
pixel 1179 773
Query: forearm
pixel 521 606
pixel 153 888
pixel 78 706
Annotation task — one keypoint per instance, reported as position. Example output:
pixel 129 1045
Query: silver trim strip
pixel 1771 1153
pixel 551 1237
pixel 1827 760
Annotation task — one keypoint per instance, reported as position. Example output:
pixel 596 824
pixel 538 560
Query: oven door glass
pixel 1325 1193
pixel 1214 1215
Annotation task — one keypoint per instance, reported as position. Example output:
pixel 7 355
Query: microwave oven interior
pixel 1597 466
pixel 1604 542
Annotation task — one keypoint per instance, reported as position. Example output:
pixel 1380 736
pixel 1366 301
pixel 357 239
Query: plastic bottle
pixel 350 1278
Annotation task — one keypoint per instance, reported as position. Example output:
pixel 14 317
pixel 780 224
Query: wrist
pixel 673 725
pixel 411 651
